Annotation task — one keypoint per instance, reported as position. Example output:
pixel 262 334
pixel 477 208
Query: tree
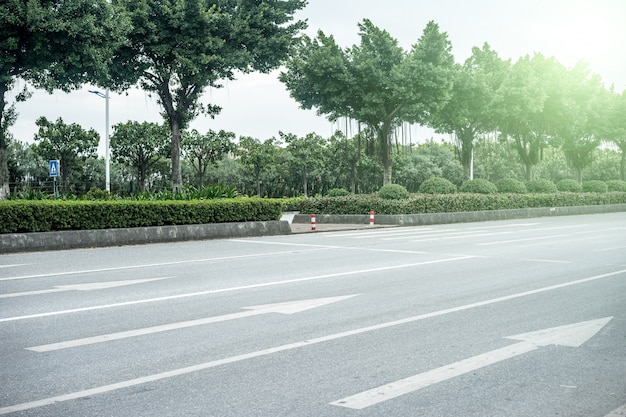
pixel 53 44
pixel 527 106
pixel 178 48
pixel 307 156
pixel 70 144
pixel 140 146
pixel 469 111
pixel 616 127
pixel 203 151
pixel 375 83
pixel 583 116
pixel 257 156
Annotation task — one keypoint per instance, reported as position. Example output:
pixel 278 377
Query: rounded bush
pixel 393 192
pixel 595 186
pixel 541 185
pixel 338 192
pixel 616 185
pixel 510 185
pixel 569 185
pixel 479 186
pixel 436 185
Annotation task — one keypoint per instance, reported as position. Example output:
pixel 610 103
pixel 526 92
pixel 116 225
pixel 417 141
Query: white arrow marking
pixel 572 335
pixel 291 307
pixel 81 287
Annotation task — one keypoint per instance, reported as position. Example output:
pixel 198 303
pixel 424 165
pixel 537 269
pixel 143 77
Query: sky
pixel 258 105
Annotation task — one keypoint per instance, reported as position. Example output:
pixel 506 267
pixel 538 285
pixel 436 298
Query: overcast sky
pixel 258 105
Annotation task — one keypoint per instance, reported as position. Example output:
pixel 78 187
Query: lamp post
pixel 107 161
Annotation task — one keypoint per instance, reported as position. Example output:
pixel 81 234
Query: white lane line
pixel 92 286
pixel 290 307
pixel 265 242
pixel 552 261
pixel 289 346
pixel 503 226
pixel 610 249
pixel 231 289
pixel 620 412
pixel 13 266
pixel 462 236
pixel 521 240
pixel 124 268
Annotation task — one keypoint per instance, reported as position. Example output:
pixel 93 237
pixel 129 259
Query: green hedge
pixel 43 216
pixel 448 203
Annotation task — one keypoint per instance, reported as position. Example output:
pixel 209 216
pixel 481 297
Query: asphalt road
pixel 510 318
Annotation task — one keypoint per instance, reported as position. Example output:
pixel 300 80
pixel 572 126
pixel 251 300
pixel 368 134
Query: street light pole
pixel 107 158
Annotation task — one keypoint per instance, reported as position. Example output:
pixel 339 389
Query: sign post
pixel 54 173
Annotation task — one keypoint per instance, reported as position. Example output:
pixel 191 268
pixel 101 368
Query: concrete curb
pixel 31 242
pixel 460 217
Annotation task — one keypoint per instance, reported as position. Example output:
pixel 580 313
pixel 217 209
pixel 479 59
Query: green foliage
pixel 44 216
pixel 437 185
pixel 510 185
pixel 338 192
pixel 479 186
pixel 446 203
pixel 616 185
pixel 98 194
pixel 541 185
pixel 189 193
pixel 393 192
pixel 569 185
pixel 595 186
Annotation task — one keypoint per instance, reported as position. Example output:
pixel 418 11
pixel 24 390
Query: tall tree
pixel 203 151
pixel 139 146
pixel 375 83
pixel 527 106
pixel 257 156
pixel 307 156
pixel 616 127
pixel 469 112
pixel 178 48
pixel 584 117
pixel 70 144
pixel 53 44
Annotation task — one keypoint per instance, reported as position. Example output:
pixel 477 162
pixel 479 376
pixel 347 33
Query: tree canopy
pixel 178 48
pixel 376 83
pixel 53 44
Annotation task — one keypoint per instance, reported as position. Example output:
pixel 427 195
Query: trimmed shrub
pixel 436 185
pixel 616 185
pixel 595 186
pixel 479 186
pixel 541 185
pixel 510 185
pixel 393 192
pixel 569 185
pixel 338 192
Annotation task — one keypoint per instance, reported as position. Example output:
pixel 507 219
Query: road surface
pixel 509 318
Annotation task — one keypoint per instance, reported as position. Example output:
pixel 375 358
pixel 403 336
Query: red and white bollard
pixel 371 218
pixel 313 222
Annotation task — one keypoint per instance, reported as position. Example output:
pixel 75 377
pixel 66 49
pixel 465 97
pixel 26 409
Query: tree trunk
pixel 622 166
pixel 177 177
pixel 4 172
pixel 465 140
pixel 305 184
pixel 384 135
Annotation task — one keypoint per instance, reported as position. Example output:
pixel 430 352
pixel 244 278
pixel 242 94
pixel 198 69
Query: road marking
pixel 521 240
pixel 465 236
pixel 620 412
pixel 82 287
pixel 572 335
pixel 290 346
pixel 231 289
pixel 130 267
pixel 291 307
pixel 610 249
pixel 13 266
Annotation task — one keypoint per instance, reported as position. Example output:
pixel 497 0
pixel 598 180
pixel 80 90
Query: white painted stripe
pixel 13 266
pixel 463 236
pixel 522 240
pixel 265 242
pixel 290 346
pixel 610 249
pixel 130 267
pixel 503 226
pixel 620 412
pixel 240 288
pixel 407 385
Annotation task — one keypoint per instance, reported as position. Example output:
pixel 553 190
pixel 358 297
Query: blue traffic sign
pixel 54 168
